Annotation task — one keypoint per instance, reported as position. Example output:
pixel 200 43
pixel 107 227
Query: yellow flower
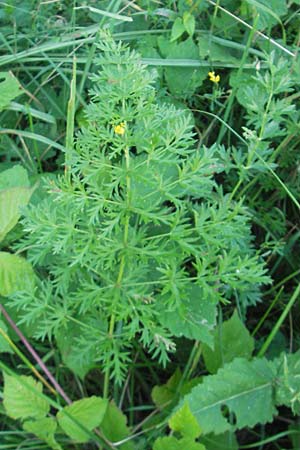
pixel 213 77
pixel 120 129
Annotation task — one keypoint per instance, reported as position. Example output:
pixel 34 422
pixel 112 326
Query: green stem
pixel 121 269
pixel 279 322
pixel 234 90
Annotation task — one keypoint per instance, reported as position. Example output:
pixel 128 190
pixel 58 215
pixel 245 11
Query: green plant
pixel 190 283
pixel 137 240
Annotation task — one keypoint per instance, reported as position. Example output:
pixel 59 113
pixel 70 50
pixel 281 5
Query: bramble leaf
pixel 22 399
pixel 44 429
pixel 89 412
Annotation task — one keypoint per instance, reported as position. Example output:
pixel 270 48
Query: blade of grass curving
pixel 106 13
pixel 272 41
pixel 26 361
pixel 272 13
pixel 70 119
pixel 271 306
pixel 29 135
pixel 45 117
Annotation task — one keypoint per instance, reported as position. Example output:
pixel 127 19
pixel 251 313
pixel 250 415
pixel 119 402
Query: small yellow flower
pixel 120 129
pixel 213 77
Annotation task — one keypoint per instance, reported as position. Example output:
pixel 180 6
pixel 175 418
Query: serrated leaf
pixel 243 388
pixel 22 399
pixel 4 345
pixel 177 29
pixel 167 443
pixel 89 412
pixel 288 381
pixel 10 202
pixel 10 88
pixel 114 426
pixel 231 340
pixel 44 429
pixel 185 423
pixel 189 23
pixel 16 274
pixel 171 443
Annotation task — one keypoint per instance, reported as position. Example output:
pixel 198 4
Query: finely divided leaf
pixel 89 412
pixel 242 390
pixel 22 397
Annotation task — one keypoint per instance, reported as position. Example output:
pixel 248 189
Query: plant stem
pixel 279 322
pixel 121 269
pixel 31 350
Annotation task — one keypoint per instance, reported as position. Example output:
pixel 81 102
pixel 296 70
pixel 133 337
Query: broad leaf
pixel 114 426
pixel 167 443
pixel 163 395
pixel 16 176
pixel 10 202
pixel 189 23
pixel 66 342
pixel 215 52
pixel 268 12
pixel 22 399
pixel 197 319
pixel 243 389
pixel 231 340
pixel 178 29
pixel 16 274
pixel 224 441
pixel 44 429
pixel 171 443
pixel 10 88
pixel 88 412
pixel 185 423
pixel 288 381
pixel 182 80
